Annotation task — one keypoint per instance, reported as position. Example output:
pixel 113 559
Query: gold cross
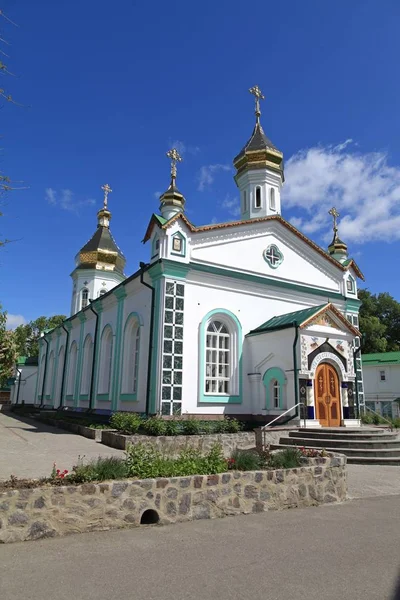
pixel 106 189
pixel 334 213
pixel 258 95
pixel 175 157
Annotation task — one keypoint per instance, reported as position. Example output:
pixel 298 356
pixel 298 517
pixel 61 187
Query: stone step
pixel 349 452
pixel 343 430
pixel 373 460
pixel 374 444
pixel 333 435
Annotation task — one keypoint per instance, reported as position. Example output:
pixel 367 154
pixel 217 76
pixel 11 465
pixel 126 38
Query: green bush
pixel 289 458
pixel 101 469
pixel 126 422
pixel 243 460
pixel 191 427
pixel 227 426
pixel 396 423
pixel 172 427
pixel 155 426
pixel 144 461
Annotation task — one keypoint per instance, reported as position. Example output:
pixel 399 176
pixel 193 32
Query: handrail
pixel 281 415
pixel 380 416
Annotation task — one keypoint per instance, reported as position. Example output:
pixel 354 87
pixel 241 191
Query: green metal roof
pixel 380 358
pixel 292 319
pixel 27 360
pixel 160 219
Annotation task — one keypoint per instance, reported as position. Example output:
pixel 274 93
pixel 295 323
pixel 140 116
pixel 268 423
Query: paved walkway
pixel 366 481
pixel 346 551
pixel 29 448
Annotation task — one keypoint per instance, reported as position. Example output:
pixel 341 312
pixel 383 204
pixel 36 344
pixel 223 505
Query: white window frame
pixel 272 199
pixel 382 375
pixel 131 357
pixel 84 300
pixel 72 368
pixel 106 356
pixel 87 364
pixel 233 354
pixel 256 203
pixel 276 394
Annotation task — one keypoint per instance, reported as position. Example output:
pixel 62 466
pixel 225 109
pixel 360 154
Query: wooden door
pixel 327 396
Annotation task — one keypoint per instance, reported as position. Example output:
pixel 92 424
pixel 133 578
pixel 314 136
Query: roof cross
pixel 175 157
pixel 258 95
pixel 334 213
pixel 107 190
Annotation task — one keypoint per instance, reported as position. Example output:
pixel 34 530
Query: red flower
pixel 58 471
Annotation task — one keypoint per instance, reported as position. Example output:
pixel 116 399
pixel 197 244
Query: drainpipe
pixel 295 370
pixel 19 383
pixel 357 351
pixel 45 371
pixel 151 345
pixel 96 335
pixel 64 365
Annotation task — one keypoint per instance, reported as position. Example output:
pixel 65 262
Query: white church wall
pixel 243 248
pixel 252 305
pixel 26 378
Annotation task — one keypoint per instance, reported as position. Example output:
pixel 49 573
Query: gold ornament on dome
pixel 107 190
pixel 175 157
pixel 258 95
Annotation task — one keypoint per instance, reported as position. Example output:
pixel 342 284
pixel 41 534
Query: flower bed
pixel 38 510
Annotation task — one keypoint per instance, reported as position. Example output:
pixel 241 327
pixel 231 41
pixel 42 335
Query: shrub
pixel 126 422
pixel 289 458
pixel 144 461
pixel 191 427
pixel 99 470
pixel 155 426
pixel 172 427
pixel 243 460
pixel 396 423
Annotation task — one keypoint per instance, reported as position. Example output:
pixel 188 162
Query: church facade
pixel 240 318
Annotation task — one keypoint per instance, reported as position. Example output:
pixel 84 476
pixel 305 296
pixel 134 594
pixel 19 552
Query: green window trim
pixel 84 397
pixel 130 396
pixel 274 374
pixel 181 237
pixel 205 398
pixel 103 398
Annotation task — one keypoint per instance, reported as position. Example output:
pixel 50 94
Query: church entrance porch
pixel 327 396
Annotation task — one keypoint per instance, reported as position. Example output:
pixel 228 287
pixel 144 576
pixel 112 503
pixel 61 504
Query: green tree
pixel 27 336
pixel 8 349
pixel 379 322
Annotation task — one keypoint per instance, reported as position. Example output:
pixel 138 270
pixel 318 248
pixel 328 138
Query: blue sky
pixel 111 86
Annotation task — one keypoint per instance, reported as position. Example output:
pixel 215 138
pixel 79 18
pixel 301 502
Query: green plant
pixel 191 427
pixel 143 461
pixel 126 422
pixel 100 469
pixel 172 427
pixel 289 458
pixel 155 426
pixel 243 460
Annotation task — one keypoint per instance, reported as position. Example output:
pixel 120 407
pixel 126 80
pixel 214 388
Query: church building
pixel 247 318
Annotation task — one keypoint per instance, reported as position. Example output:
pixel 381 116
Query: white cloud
pixel 207 175
pixel 14 320
pixel 65 200
pixel 184 148
pixel 157 195
pixel 363 187
pixel 231 205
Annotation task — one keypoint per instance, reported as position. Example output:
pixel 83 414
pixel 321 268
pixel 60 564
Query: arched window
pixel 106 351
pixel 60 369
pixel 218 358
pixel 73 360
pixel 50 374
pixel 257 202
pixel 272 203
pixel 275 387
pixel 155 246
pixel 245 201
pixel 87 364
pixel 85 297
pixel 351 285
pixel 131 356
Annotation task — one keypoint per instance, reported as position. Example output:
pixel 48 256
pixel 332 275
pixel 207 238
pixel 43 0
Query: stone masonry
pixel 49 511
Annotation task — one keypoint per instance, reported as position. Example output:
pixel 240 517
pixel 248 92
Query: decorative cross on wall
pixel 272 255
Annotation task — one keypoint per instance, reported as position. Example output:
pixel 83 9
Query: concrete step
pixel 342 430
pixel 374 444
pixel 373 460
pixel 349 452
pixel 336 435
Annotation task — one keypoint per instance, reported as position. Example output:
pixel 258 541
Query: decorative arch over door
pixel 327 396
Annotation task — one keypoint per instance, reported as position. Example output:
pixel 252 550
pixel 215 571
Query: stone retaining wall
pixel 49 511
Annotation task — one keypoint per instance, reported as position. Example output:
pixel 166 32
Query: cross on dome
pixel 175 157
pixel 107 190
pixel 258 95
pixel 334 213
